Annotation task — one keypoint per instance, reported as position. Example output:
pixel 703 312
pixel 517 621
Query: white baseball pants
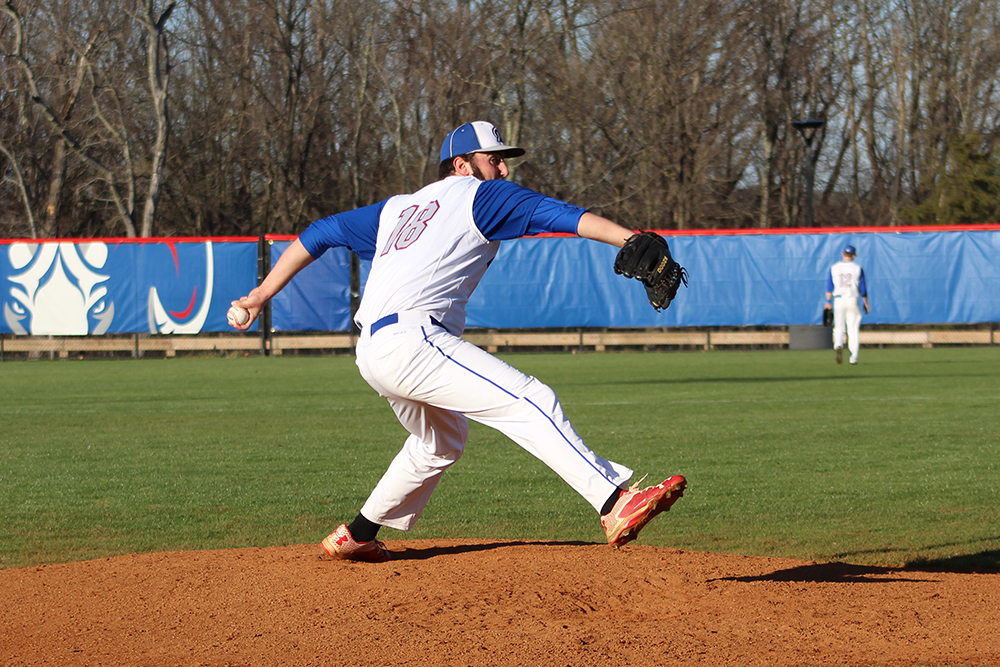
pixel 433 381
pixel 847 318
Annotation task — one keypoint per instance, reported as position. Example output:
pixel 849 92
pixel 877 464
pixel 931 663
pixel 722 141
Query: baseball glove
pixel 646 257
pixel 828 317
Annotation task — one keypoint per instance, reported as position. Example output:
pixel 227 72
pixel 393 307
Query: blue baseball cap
pixel 476 137
pixel 849 250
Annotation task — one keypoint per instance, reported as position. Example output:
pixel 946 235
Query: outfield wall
pixel 926 275
pixel 932 276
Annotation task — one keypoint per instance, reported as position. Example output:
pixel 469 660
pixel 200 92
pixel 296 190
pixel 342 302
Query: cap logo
pixel 477 136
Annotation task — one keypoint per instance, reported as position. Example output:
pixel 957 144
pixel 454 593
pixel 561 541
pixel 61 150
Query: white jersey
pixel 429 255
pixel 430 249
pixel 846 280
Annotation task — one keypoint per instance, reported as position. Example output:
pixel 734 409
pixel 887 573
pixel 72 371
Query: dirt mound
pixel 470 602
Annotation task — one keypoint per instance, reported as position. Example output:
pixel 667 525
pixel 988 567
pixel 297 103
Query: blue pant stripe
pixel 516 397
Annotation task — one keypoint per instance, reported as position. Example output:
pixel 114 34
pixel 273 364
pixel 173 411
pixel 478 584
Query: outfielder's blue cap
pixel 476 137
pixel 850 250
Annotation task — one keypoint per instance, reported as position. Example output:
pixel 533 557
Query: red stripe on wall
pixel 142 240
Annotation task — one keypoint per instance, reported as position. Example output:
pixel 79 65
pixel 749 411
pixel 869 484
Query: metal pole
pixel 264 319
pixel 808 129
pixel 810 177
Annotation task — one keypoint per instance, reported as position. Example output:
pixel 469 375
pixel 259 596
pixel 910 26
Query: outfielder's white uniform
pixel 847 283
pixel 429 253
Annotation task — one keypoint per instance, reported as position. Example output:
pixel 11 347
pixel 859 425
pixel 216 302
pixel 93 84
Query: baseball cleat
pixel 840 355
pixel 340 544
pixel 635 508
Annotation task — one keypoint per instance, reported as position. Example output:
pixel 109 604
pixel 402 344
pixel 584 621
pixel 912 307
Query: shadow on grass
pixel 984 562
pixel 987 560
pixel 410 553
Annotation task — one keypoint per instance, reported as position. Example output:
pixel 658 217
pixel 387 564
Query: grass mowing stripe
pixel 49 410
pixel 788 454
pixel 803 400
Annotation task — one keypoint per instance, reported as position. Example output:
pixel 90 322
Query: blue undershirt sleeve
pixel 503 210
pixel 355 229
pixel 829 281
pixel 861 284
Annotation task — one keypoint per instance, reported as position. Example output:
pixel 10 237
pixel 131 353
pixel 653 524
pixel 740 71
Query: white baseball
pixel 237 316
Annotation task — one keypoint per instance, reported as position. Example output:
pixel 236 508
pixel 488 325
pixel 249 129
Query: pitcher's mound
pixel 474 602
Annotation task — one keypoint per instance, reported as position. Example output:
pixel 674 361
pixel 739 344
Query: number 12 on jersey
pixel 409 228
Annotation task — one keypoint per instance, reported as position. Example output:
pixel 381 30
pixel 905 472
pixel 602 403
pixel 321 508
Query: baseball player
pixel 844 285
pixel 429 250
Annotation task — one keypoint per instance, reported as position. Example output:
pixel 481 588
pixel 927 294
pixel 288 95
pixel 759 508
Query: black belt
pixel 392 319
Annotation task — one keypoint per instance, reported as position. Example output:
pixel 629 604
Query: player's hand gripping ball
pixel 237 316
pixel 646 257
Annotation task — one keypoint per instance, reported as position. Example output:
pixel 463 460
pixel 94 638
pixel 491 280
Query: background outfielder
pixel 429 251
pixel 844 284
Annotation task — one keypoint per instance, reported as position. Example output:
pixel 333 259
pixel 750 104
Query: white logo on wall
pixel 160 320
pixel 59 289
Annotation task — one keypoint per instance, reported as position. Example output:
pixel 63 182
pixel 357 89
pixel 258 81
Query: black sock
pixel 610 504
pixel 362 529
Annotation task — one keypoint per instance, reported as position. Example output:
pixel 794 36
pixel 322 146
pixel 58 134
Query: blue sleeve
pixel 504 210
pixel 829 280
pixel 357 230
pixel 861 284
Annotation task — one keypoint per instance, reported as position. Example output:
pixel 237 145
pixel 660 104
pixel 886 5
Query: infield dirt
pixel 474 602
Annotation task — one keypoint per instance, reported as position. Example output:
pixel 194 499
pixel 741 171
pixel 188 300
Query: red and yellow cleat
pixel 340 544
pixel 635 508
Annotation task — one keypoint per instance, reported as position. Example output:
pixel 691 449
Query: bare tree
pixel 18 178
pixel 253 117
pixel 775 24
pixel 158 76
pixel 109 100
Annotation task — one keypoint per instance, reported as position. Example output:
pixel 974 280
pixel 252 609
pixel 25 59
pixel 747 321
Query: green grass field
pixel 893 461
